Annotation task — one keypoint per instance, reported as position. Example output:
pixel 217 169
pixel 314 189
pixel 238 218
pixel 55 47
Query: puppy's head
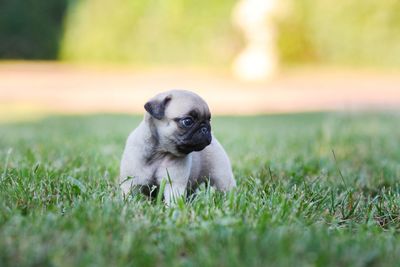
pixel 179 121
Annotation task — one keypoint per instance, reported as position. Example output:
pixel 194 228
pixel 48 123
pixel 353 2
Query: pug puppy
pixel 174 142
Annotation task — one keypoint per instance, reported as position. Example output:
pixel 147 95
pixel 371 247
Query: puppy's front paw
pixel 173 194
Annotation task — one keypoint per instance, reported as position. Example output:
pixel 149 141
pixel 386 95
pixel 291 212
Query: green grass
pixel 60 204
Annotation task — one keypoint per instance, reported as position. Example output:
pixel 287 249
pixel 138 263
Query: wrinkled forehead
pixel 187 106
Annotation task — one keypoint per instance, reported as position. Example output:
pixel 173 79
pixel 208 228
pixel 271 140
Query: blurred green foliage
pixel 31 29
pixel 340 32
pixel 151 32
pixel 191 32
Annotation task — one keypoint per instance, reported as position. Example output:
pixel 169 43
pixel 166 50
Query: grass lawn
pixel 295 205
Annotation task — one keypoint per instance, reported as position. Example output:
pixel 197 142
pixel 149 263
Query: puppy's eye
pixel 187 122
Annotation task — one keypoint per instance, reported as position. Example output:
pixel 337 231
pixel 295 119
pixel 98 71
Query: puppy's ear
pixel 157 107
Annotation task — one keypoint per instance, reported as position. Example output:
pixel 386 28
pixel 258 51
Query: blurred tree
pixel 31 29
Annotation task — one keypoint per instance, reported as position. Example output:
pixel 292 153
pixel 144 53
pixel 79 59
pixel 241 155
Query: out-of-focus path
pixel 53 87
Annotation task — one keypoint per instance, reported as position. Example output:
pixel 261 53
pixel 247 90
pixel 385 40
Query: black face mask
pixel 195 138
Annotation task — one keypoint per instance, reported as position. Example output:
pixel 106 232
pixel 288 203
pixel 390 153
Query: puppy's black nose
pixel 204 130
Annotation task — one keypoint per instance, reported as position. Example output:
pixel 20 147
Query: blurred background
pixel 243 57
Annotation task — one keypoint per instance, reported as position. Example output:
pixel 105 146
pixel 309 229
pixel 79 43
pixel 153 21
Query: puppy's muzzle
pixel 198 140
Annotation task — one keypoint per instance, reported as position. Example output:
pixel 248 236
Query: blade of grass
pixel 337 166
pixel 161 191
pixel 9 151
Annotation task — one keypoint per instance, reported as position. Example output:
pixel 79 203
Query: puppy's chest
pixel 173 169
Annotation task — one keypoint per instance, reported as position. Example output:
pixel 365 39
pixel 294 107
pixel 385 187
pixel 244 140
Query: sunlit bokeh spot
pixel 258 60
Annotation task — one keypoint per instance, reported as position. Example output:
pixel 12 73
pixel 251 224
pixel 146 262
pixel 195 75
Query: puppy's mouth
pixel 189 147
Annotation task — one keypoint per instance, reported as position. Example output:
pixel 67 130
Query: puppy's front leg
pixel 219 168
pixel 177 175
pixel 173 192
